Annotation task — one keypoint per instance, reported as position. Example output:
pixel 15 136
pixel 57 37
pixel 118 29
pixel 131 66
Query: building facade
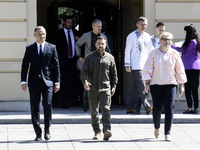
pixel 18 18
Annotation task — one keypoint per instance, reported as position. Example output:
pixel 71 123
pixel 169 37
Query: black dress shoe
pixel 188 111
pixel 38 139
pixel 47 136
pixel 195 111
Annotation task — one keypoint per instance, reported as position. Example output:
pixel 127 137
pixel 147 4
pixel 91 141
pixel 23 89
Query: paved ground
pixel 79 137
pixel 71 130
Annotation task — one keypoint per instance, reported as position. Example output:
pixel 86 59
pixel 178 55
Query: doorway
pixel 84 12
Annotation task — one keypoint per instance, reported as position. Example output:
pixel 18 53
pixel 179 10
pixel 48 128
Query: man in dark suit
pixel 41 61
pixel 65 43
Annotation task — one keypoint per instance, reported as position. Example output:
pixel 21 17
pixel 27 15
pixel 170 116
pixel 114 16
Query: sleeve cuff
pixel 23 82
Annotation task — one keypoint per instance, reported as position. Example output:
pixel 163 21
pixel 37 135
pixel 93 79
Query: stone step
pixel 76 115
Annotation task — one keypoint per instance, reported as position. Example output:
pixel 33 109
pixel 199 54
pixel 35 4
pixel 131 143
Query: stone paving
pixel 71 130
pixel 79 137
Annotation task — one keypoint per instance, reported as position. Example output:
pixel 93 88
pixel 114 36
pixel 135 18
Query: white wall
pixel 17 22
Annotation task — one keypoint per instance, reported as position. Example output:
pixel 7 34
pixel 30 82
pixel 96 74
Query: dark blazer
pixel 48 68
pixel 62 47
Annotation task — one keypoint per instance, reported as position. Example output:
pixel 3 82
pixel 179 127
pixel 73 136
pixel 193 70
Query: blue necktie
pixel 41 54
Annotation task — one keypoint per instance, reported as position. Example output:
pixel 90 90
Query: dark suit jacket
pixel 62 47
pixel 48 68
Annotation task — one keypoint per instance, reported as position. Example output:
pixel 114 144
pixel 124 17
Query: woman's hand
pixel 181 89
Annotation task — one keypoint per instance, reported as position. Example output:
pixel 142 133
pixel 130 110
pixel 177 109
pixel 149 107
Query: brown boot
pixel 107 135
pixel 149 109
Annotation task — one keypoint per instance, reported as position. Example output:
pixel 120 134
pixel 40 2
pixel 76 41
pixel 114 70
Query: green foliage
pixel 66 11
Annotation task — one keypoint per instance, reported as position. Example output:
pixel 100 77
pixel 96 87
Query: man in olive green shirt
pixel 99 77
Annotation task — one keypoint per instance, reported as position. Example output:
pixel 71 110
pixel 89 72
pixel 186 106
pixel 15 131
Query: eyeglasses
pixel 166 40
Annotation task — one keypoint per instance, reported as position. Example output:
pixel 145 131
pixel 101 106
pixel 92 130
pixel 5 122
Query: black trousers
pixel 68 73
pixel 35 97
pixel 163 94
pixel 191 88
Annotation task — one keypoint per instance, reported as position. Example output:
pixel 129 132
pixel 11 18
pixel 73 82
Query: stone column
pixel 31 10
pixel 149 8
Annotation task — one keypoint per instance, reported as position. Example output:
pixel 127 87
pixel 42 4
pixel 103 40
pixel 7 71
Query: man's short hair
pixel 39 27
pixel 159 24
pixel 141 19
pixel 101 38
pixel 67 17
pixel 96 21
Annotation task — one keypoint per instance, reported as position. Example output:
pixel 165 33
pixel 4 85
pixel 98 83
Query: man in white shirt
pixel 159 29
pixel 138 47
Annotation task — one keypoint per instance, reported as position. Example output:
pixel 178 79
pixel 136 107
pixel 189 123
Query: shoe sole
pixel 132 112
pixel 107 135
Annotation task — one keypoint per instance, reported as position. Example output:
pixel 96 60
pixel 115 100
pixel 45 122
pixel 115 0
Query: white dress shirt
pixel 72 40
pixel 38 47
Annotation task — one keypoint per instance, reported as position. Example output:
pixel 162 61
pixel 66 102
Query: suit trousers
pixel 163 94
pixel 102 99
pixel 138 87
pixel 36 91
pixel 68 72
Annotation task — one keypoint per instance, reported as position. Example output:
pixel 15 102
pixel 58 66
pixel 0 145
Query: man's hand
pixel 76 38
pixel 87 86
pixel 56 88
pixel 147 88
pixel 112 91
pixel 128 68
pixel 81 59
pixel 24 87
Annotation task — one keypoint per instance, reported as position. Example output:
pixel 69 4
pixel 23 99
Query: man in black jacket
pixel 65 40
pixel 41 61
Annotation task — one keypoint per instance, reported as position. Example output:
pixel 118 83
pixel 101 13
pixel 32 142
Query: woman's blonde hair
pixel 165 34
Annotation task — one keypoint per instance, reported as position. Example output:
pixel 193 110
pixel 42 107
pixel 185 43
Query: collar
pixel 98 54
pixel 138 32
pixel 95 34
pixel 169 51
pixel 38 44
pixel 156 38
pixel 67 30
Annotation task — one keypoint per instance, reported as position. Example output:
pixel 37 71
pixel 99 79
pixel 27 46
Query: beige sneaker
pixel 107 135
pixel 156 133
pixel 97 136
pixel 168 138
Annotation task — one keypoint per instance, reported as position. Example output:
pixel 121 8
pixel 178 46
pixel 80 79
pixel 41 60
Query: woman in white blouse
pixel 163 71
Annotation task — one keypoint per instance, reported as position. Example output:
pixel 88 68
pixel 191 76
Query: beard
pixel 101 50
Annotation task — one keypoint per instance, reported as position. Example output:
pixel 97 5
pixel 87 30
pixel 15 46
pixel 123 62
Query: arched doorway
pixel 124 13
pixel 84 13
